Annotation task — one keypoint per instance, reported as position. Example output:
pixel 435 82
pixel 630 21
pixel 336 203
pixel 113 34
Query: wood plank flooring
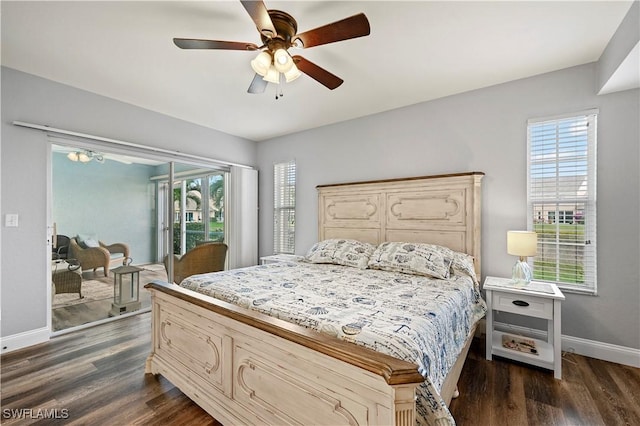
pixel 96 376
pixel 503 392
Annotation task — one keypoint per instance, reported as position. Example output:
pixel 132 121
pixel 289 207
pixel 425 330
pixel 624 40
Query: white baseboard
pixel 591 348
pixel 22 340
pixel 600 350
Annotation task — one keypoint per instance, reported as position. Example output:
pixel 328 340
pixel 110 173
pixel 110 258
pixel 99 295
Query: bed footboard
pixel 244 367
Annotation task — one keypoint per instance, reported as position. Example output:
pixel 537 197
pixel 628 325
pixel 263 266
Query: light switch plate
pixel 11 220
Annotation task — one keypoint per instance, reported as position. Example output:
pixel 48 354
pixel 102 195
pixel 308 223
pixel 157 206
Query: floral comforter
pixel 414 318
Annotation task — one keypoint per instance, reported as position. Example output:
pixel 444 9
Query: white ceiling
pixel 417 51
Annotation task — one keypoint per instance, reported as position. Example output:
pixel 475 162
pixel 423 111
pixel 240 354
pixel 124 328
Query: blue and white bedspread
pixel 414 318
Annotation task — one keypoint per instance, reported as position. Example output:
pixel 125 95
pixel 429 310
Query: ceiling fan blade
pixel 351 27
pixel 260 15
pixel 319 74
pixel 258 84
pixel 191 43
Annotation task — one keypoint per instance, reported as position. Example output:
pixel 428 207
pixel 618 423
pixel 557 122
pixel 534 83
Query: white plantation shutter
pixel 284 207
pixel 561 196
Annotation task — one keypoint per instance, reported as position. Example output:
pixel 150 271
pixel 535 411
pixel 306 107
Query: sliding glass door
pixel 99 196
pixel 91 184
pixel 199 209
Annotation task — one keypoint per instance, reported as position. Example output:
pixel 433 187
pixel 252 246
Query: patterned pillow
pixel 341 252
pixel 463 264
pixel 412 258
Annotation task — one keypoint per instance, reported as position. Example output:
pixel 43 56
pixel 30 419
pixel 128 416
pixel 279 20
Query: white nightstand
pixel 540 300
pixel 280 258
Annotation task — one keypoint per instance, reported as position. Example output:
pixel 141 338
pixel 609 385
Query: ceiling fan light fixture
pixel 85 156
pixel 80 156
pixel 272 76
pixel 282 60
pixel 292 74
pixel 261 63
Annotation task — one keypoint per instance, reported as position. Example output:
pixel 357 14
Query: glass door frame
pixel 167 214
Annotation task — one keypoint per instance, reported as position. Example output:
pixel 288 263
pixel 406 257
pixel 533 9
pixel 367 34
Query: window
pixel 561 197
pixel 284 207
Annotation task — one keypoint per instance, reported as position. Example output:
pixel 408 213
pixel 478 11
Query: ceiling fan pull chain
pixel 279 87
pixel 281 84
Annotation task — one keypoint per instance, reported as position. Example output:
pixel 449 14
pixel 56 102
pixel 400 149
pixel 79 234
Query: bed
pixel 253 363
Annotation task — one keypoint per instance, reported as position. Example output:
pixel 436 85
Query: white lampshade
pixel 522 243
pixel 73 156
pixel 261 63
pixel 292 74
pixel 272 75
pixel 282 60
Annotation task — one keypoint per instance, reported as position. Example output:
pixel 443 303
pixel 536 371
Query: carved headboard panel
pixel 443 210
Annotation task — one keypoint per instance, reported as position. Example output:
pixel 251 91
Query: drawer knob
pixel 520 303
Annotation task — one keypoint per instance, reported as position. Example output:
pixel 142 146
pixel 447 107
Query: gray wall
pixel 621 44
pixel 113 201
pixel 485 130
pixel 26 168
pixel 482 130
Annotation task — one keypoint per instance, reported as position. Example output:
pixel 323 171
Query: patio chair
pixel 60 250
pixel 98 257
pixel 201 259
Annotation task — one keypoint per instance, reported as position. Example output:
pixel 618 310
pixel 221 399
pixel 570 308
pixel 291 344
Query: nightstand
pixel 537 299
pixel 280 258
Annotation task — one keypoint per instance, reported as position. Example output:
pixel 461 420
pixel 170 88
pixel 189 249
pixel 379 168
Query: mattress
pixel 410 317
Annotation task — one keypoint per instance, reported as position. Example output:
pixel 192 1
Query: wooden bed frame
pixel 244 367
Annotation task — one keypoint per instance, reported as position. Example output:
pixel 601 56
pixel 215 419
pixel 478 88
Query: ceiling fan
pixel 81 155
pixel 279 32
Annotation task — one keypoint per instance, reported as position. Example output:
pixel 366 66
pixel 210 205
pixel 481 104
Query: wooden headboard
pixel 442 209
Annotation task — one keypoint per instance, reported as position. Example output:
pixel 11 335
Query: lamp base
pixel 125 308
pixel 521 273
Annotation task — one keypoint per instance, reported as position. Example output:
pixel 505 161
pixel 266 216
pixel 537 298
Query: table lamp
pixel 522 244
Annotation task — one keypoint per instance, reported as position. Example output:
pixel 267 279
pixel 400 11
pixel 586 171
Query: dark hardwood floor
pixel 503 392
pixel 96 376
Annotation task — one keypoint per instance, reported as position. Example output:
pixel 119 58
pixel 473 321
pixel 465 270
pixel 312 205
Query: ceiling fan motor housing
pixel 286 27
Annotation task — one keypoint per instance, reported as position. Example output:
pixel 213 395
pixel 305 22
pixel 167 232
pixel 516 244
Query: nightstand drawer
pixel 523 305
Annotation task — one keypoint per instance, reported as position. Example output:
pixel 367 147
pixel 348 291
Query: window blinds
pixel 562 199
pixel 284 207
